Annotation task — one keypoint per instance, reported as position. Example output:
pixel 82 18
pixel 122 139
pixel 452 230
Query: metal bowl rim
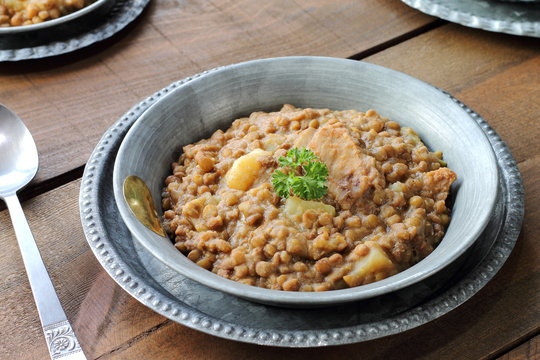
pixel 393 283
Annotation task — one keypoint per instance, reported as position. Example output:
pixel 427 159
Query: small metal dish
pixel 194 110
pixel 62 27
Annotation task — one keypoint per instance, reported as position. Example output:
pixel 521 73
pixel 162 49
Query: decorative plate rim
pixel 442 9
pixel 191 317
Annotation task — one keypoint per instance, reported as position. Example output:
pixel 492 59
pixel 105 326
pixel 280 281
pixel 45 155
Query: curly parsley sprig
pixel 304 177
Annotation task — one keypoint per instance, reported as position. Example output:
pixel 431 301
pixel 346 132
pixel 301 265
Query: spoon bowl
pixel 19 161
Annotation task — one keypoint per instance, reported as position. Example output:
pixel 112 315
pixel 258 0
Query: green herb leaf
pixel 281 182
pixel 305 177
pixel 316 170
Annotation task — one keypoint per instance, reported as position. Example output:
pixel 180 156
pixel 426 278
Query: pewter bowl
pixel 55 29
pixel 195 109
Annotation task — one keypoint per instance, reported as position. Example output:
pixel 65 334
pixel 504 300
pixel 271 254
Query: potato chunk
pixel 245 170
pixel 373 266
pixel 295 206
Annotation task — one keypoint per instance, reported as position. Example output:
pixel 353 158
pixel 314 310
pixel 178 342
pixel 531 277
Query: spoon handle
pixel 61 339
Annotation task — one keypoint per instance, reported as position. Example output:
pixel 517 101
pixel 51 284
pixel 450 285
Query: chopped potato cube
pixel 295 206
pixel 375 265
pixel 245 170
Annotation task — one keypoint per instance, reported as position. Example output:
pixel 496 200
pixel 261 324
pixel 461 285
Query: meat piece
pixel 351 172
pixel 437 183
pixel 304 138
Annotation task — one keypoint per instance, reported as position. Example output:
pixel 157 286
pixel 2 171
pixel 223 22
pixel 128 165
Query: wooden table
pixel 69 101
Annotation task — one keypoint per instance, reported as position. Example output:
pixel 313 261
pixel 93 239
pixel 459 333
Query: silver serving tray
pixel 201 308
pixel 512 17
pixel 64 37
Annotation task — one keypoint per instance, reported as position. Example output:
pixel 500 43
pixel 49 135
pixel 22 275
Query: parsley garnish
pixel 304 177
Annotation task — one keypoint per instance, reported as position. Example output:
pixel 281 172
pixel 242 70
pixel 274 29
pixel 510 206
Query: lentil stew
pixel 28 12
pixel 385 209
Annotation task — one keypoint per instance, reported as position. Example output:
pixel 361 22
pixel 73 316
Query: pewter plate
pixel 210 311
pixel 65 38
pixel 518 18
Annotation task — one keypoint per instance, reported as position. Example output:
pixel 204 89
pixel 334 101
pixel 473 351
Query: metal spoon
pixel 18 165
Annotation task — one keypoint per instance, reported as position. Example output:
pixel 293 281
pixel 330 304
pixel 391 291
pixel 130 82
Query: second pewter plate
pixel 518 17
pixel 199 107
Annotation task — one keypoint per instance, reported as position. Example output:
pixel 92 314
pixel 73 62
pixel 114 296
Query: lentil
pixel 28 12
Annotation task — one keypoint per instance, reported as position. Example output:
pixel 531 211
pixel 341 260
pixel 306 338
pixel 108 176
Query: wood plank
pixel 91 299
pixel 487 73
pixel 526 351
pixel 497 75
pixel 68 102
pixel 111 325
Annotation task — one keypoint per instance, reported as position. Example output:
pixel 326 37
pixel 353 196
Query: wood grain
pixel 527 351
pixel 68 102
pixel 111 325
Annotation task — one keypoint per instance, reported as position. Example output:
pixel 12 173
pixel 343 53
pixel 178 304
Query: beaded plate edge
pixel 456 12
